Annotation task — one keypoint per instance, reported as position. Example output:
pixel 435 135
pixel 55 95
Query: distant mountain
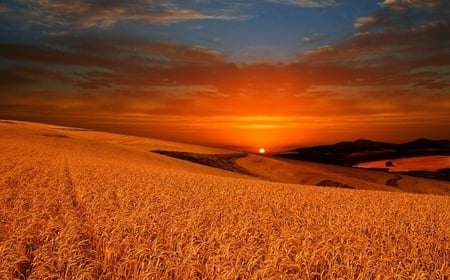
pixel 425 145
pixel 363 150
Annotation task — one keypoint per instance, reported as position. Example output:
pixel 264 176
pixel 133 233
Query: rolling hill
pixel 82 204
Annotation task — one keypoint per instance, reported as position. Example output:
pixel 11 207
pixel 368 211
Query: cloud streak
pixel 405 4
pixel 314 38
pixel 306 3
pixel 86 14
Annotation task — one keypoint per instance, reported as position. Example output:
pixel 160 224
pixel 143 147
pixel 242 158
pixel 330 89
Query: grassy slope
pixel 95 204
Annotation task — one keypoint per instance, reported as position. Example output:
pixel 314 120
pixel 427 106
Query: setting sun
pixel 262 150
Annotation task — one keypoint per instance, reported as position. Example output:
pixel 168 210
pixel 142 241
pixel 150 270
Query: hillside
pixel 362 150
pixel 311 173
pixel 81 204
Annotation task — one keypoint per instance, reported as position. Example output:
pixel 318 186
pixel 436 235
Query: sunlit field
pixel 90 205
pixel 424 163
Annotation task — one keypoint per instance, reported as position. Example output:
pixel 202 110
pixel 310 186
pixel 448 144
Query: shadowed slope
pixel 222 161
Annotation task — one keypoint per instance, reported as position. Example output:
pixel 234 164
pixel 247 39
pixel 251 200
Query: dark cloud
pixel 29 76
pixel 85 14
pixel 400 14
pixel 42 54
pixel 106 51
pixel 405 42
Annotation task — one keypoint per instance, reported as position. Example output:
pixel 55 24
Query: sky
pixel 276 74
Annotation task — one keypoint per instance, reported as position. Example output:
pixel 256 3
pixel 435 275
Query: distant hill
pixel 363 150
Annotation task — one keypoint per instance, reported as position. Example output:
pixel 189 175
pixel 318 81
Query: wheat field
pixel 92 205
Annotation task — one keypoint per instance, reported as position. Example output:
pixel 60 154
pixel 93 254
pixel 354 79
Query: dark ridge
pixel 55 135
pixel 358 145
pixel 362 150
pixel 221 161
pixel 424 147
pixel 335 184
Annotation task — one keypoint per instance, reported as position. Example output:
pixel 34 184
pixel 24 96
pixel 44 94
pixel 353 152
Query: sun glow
pixel 262 150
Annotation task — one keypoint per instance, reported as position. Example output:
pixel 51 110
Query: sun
pixel 262 150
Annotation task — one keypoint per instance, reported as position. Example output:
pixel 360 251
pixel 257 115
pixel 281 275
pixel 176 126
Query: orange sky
pixel 385 78
pixel 245 106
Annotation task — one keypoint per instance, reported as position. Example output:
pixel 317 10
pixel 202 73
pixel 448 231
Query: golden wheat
pixel 75 208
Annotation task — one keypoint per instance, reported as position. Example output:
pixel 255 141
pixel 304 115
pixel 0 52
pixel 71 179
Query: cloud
pixel 40 54
pixel 405 4
pixel 56 33
pixel 403 38
pixel 365 21
pixel 30 76
pixel 314 38
pixel 189 79
pixel 86 14
pixel 321 52
pixel 393 63
pixel 110 52
pixel 4 9
pixel 306 3
pixel 401 14
pixel 310 95
pixel 175 51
